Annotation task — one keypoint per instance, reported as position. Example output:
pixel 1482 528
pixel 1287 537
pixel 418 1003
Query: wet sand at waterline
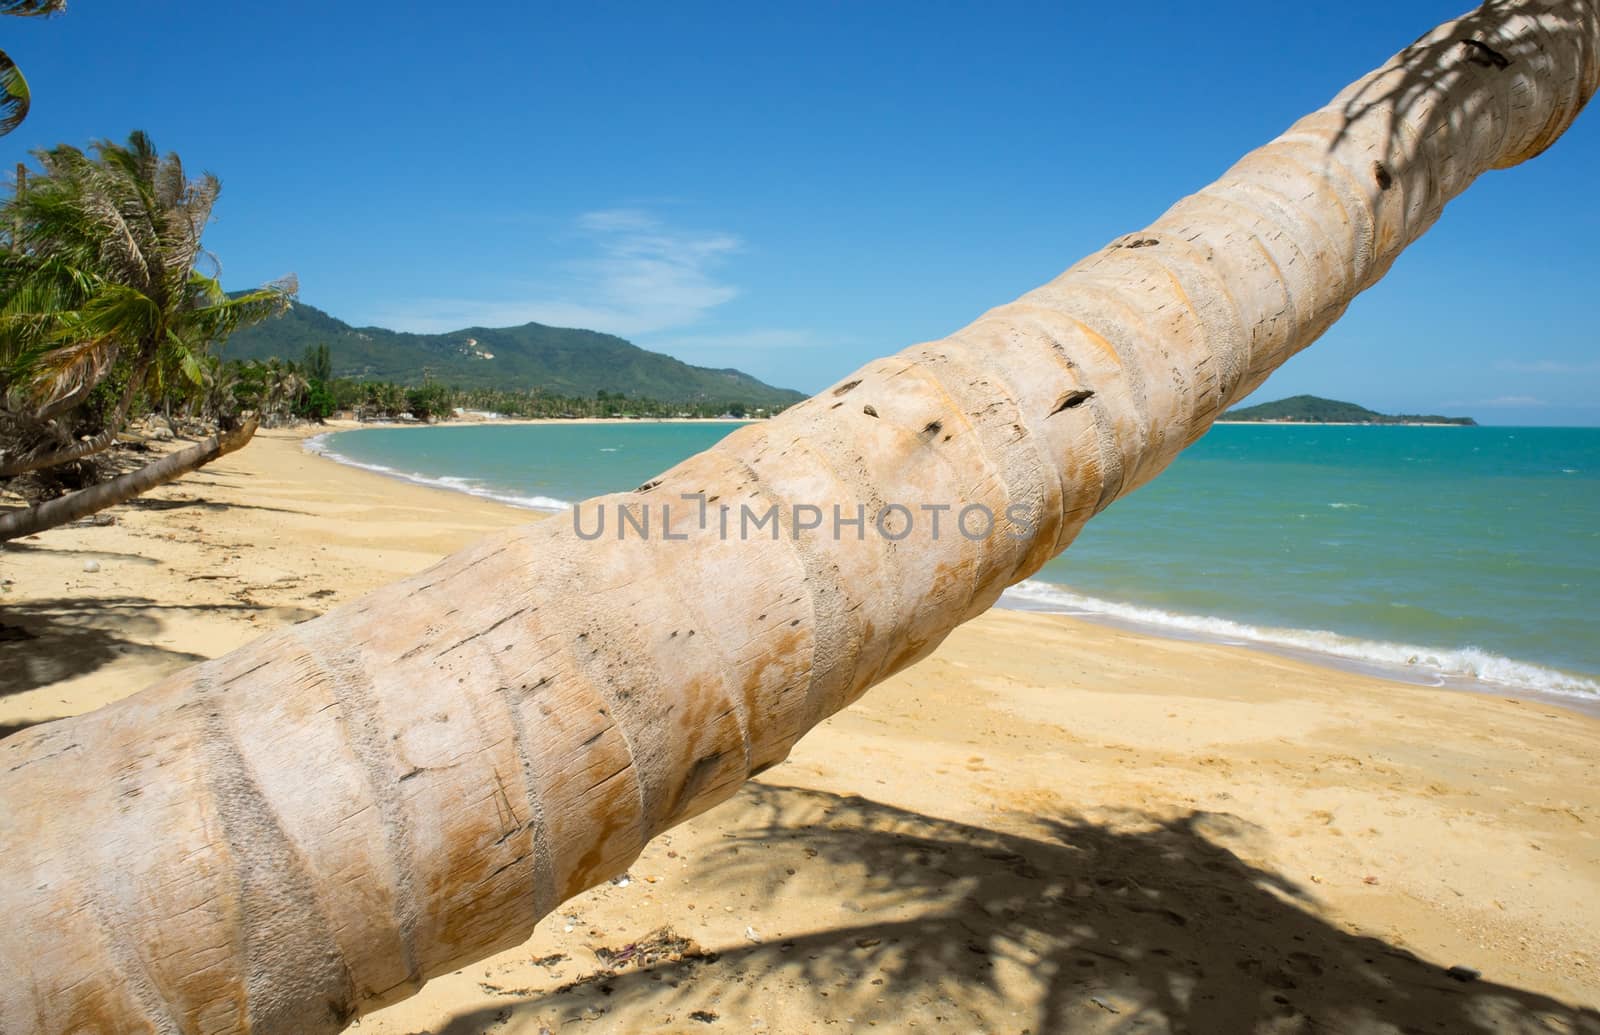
pixel 1049 825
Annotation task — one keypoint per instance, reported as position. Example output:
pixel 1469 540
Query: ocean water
pixel 1465 556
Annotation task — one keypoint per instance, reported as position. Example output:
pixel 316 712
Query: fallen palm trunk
pixel 95 498
pixel 305 829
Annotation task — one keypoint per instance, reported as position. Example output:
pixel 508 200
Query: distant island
pixel 1310 409
pixel 558 360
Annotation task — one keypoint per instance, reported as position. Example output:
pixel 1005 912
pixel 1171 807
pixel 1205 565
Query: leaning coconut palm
pixel 100 292
pixel 311 826
pixel 231 435
pixel 100 276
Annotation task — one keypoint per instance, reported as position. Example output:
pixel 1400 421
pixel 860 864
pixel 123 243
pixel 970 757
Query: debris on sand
pixel 660 946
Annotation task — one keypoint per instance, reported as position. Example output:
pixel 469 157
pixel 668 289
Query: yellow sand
pixel 1049 825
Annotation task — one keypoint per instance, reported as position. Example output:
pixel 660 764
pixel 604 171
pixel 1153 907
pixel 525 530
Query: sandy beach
pixel 1050 825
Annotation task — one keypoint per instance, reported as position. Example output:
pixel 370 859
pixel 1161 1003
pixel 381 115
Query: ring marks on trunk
pixel 358 713
pixel 281 925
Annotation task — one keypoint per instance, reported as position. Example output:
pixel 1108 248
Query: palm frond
pixel 113 311
pixel 193 370
pixel 215 315
pixel 187 356
pixel 119 310
pixel 43 286
pixel 138 159
pixel 212 264
pixel 14 97
pixel 66 371
pixel 32 8
pixel 33 295
pixel 120 246
pixel 170 184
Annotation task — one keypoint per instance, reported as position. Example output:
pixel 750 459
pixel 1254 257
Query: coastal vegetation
pixel 511 726
pixel 109 308
pixel 284 392
pixel 1311 409
pixel 556 361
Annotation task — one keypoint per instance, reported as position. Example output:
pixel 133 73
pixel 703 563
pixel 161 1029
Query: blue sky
pixel 794 189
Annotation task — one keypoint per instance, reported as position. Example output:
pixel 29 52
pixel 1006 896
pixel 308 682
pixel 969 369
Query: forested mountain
pixel 560 360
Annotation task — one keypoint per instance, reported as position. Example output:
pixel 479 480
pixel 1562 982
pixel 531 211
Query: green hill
pixel 1310 409
pixel 560 360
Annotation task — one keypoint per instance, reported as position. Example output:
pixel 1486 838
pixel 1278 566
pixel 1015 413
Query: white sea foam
pixel 470 486
pixel 1420 664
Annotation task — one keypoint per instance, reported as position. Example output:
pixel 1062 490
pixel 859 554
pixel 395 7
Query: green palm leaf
pixel 14 97
pixel 68 370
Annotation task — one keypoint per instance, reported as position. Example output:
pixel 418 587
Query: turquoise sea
pixel 1465 556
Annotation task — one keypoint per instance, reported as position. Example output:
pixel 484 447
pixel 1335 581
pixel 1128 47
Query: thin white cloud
pixel 612 220
pixel 638 276
pixel 1548 366
pixel 755 340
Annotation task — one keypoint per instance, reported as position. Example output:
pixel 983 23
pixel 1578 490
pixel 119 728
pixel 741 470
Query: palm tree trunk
pixel 311 826
pixel 88 446
pixel 75 505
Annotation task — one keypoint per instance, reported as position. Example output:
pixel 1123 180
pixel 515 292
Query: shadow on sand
pixel 96 555
pixel 147 503
pixel 1135 925
pixel 47 641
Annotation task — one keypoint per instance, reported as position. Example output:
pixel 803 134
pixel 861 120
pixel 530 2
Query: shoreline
pixel 1344 424
pixel 465 422
pixel 1358 655
pixel 1421 677
pixel 1045 814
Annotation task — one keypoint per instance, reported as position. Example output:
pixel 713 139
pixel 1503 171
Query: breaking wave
pixel 1431 665
pixel 470 486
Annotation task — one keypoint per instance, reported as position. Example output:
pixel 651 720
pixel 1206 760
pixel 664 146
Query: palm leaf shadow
pixel 1494 38
pixel 1143 924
